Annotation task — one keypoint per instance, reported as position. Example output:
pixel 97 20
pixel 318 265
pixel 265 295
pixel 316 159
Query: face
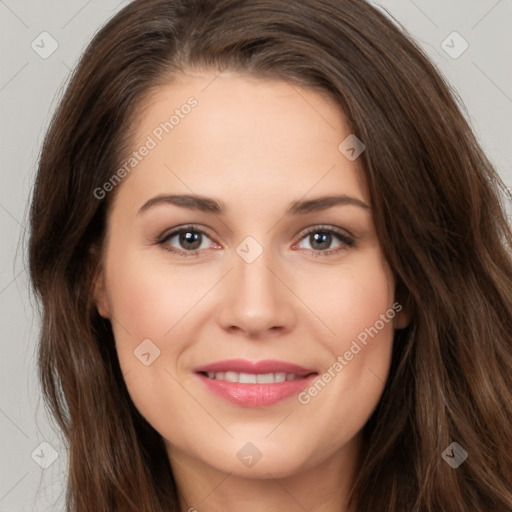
pixel 253 319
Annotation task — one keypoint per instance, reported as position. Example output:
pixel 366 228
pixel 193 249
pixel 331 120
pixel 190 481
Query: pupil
pixel 321 238
pixel 190 237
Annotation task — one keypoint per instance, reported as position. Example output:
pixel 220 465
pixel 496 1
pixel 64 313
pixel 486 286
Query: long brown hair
pixel 439 212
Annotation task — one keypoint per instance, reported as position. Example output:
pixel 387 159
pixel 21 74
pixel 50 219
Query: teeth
pixel 247 378
pixel 279 377
pixel 231 376
pixel 265 378
pixel 251 378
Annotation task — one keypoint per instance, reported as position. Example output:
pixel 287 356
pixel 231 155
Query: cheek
pixel 149 305
pixel 358 308
pixel 160 303
pixel 367 329
pixel 349 300
pixel 150 300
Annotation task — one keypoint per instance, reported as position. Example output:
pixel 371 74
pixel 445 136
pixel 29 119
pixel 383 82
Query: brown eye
pixel 186 241
pixel 322 239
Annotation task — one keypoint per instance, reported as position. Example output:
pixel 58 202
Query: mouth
pixel 255 384
pixel 251 378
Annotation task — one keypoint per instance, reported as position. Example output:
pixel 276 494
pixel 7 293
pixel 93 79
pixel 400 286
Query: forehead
pixel 238 136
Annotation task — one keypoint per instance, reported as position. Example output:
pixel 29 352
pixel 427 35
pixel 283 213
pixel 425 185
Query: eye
pixel 189 239
pixel 321 238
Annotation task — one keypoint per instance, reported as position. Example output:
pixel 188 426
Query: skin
pixel 293 303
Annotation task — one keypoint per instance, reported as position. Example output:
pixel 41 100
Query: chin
pixel 260 460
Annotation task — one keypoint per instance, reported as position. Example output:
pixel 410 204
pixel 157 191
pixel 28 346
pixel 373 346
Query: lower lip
pixel 256 395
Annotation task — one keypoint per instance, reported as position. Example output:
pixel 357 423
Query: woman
pixel 340 338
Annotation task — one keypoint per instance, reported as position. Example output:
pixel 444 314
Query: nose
pixel 256 299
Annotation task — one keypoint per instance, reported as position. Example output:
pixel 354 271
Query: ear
pixel 99 293
pixel 402 317
pixel 99 289
pixel 402 308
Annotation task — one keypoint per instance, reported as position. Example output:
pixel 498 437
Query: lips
pixel 255 383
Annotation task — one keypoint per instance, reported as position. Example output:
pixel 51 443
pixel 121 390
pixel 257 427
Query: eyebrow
pixel 210 205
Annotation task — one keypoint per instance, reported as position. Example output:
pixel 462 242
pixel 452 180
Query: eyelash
pixel 347 241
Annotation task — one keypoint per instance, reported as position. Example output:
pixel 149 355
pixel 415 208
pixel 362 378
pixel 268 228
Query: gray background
pixel 29 88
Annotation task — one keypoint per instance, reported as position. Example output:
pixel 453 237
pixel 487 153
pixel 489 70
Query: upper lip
pixel 255 367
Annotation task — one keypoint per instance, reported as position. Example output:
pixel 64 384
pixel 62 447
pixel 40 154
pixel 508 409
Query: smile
pixel 251 378
pixel 255 384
